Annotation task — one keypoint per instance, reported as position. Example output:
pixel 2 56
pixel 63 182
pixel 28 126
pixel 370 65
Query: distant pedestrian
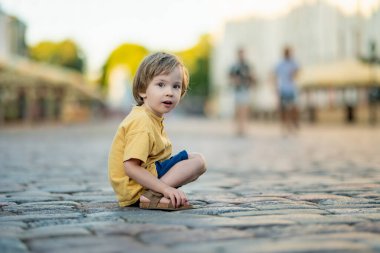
pixel 140 166
pixel 285 73
pixel 241 79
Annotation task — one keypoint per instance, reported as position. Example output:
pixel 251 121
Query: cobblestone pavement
pixel 318 191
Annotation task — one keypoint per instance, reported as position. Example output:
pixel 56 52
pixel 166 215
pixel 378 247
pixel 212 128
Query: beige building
pixel 12 36
pixel 318 32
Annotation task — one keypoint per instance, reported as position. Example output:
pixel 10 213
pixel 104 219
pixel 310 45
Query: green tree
pixel 197 60
pixel 65 53
pixel 126 55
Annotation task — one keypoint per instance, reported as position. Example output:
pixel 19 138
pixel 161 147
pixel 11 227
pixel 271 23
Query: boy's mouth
pixel 168 102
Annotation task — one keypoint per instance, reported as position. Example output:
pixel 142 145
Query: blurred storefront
pixel 344 91
pixel 36 92
pixel 33 92
pixel 319 33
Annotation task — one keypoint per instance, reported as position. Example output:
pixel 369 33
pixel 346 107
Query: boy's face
pixel 163 92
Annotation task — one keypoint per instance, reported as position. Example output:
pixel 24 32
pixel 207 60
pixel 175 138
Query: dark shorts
pixel 165 166
pixel 287 100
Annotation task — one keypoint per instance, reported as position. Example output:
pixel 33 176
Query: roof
pixel 28 72
pixel 340 74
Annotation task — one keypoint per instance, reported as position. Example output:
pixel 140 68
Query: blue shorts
pixel 165 166
pixel 287 99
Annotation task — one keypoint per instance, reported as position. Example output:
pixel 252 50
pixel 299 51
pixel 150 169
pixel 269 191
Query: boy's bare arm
pixel 142 176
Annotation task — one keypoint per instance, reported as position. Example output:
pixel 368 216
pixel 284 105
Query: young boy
pixel 140 168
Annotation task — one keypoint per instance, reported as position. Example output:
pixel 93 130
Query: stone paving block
pixel 368 240
pixel 264 221
pixel 271 194
pixel 262 200
pixel 97 206
pixel 34 217
pixel 274 212
pixel 74 188
pixel 356 236
pixel 296 231
pixel 12 245
pixel 106 214
pixel 306 218
pixel 284 205
pixel 300 245
pixel 55 203
pixel 367 226
pixel 348 202
pixel 81 222
pixel 348 193
pixel 369 195
pixel 191 236
pixel 30 209
pixel 10 231
pixel 13 224
pixel 229 246
pixel 9 188
pixel 89 198
pixel 370 216
pixel 94 244
pixel 7 203
pixel 25 199
pixel 316 198
pixel 133 229
pixel 355 211
pixel 218 210
pixel 181 218
pixel 52 232
pixel 85 223
pixel 198 204
pixel 220 181
pixel 227 197
pixel 272 203
pixel 276 246
pixel 364 186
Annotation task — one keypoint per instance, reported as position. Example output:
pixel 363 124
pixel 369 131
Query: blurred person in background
pixel 241 79
pixel 284 75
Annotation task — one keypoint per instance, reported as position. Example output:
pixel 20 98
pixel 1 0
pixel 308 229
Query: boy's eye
pixel 161 84
pixel 177 86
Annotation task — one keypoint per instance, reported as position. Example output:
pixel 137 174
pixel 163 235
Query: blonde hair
pixel 154 65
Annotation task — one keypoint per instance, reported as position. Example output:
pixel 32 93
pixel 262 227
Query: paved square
pixel 318 191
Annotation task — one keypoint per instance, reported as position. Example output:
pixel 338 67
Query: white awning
pixel 339 74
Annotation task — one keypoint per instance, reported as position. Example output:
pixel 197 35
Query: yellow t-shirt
pixel 141 136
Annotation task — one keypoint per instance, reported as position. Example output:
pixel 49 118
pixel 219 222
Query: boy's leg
pixel 182 173
pixel 185 171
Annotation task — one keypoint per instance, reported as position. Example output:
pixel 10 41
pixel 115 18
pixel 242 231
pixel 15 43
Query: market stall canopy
pixel 22 71
pixel 339 74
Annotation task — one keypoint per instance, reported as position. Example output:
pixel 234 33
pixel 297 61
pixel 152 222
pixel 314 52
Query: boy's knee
pixel 201 160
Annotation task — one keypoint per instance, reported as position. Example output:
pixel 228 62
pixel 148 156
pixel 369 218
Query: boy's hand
pixel 177 197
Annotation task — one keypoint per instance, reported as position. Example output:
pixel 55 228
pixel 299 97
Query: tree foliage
pixel 126 55
pixel 64 53
pixel 197 60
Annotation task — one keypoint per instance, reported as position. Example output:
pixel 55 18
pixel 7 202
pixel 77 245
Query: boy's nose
pixel 169 92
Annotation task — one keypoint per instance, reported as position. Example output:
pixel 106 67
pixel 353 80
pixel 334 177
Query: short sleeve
pixel 137 146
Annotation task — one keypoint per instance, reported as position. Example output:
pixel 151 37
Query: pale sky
pixel 99 26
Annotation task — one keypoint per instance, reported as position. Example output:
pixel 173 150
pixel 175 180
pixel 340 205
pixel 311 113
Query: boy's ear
pixel 142 94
